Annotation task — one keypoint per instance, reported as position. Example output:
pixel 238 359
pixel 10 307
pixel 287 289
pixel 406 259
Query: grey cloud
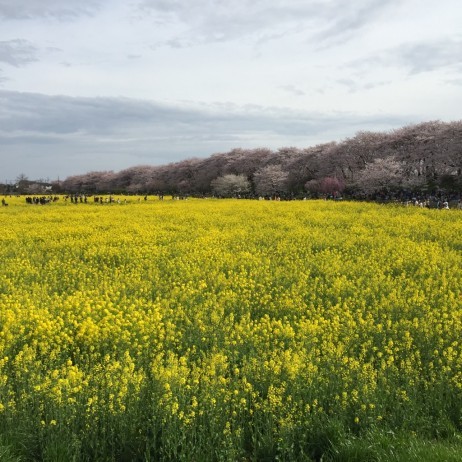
pixel 17 52
pixel 457 82
pixel 415 57
pixel 27 112
pixel 114 133
pixel 44 115
pixel 357 85
pixel 223 20
pixel 346 21
pixel 58 9
pixel 2 77
pixel 423 57
pixel 60 115
pixel 293 90
pixel 352 85
pixel 375 84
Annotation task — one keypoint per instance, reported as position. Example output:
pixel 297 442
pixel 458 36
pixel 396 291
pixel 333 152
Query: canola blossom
pixel 226 329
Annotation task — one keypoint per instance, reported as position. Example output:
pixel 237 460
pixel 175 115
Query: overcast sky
pixel 109 84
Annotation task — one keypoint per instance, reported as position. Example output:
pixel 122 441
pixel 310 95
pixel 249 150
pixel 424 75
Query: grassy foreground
pixel 206 330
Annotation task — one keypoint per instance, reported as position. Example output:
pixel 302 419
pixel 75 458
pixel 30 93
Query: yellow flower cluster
pixel 218 328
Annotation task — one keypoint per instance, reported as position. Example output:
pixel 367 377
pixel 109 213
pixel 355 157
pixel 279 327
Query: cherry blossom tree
pixel 271 181
pixel 381 175
pixel 426 155
pixel 231 185
pixel 328 186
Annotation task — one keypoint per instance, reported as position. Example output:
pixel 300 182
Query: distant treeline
pixel 422 157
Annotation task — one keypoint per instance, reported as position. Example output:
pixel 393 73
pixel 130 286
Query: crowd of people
pixel 426 201
pixel 42 200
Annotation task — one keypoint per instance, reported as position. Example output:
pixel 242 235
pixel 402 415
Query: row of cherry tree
pixel 423 157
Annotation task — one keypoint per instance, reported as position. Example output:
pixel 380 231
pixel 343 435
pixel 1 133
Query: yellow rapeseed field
pixel 226 330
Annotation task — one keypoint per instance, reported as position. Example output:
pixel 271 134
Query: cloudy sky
pixel 108 84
